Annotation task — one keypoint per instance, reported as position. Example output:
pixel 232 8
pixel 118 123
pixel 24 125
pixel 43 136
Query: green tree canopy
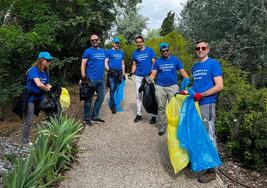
pixel 237 31
pixel 167 25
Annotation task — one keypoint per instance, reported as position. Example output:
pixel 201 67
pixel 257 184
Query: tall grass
pixel 52 153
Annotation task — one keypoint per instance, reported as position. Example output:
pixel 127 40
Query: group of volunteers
pixel 207 82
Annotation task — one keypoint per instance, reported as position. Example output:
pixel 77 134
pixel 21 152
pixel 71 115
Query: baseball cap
pixel 163 45
pixel 44 55
pixel 115 40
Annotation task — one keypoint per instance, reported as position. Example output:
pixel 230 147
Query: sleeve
pixel 33 73
pixel 133 56
pixel 216 69
pixel 179 64
pixel 156 65
pixel 107 54
pixel 86 54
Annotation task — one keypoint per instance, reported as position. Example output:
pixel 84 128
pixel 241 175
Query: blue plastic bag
pixel 194 138
pixel 118 96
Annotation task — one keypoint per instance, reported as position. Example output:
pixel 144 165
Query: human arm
pixel 42 86
pixel 83 65
pixel 153 74
pixel 123 66
pixel 106 63
pixel 218 86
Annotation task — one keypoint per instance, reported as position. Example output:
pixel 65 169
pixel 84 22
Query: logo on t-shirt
pixel 142 57
pixel 199 74
pixel 166 67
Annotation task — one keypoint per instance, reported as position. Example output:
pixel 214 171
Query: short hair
pixel 139 37
pixel 202 40
pixel 94 34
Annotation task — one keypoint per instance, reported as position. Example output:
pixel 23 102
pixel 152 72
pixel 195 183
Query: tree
pixel 236 30
pixel 167 25
pixel 131 24
pixel 61 27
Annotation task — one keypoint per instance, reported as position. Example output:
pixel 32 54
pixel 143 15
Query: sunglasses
pixel 117 43
pixel 163 51
pixel 203 48
pixel 48 60
pixel 94 40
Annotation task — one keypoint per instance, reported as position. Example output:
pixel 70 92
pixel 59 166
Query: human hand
pixel 130 76
pixel 185 83
pixel 196 95
pixel 123 77
pixel 183 92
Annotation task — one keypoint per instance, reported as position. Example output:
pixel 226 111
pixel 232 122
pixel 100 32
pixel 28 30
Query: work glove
pixel 185 83
pixel 130 76
pixel 123 77
pixel 196 95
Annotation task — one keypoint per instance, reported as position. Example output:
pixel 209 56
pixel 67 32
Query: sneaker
pixel 98 120
pixel 152 120
pixel 137 118
pixel 87 123
pixel 207 177
pixel 162 130
pixel 113 111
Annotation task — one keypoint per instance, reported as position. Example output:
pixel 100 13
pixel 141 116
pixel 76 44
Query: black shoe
pixel 87 123
pixel 152 120
pixel 113 111
pixel 162 130
pixel 98 120
pixel 137 118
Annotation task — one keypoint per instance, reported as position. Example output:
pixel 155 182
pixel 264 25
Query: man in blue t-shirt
pixel 114 63
pixel 143 59
pixel 208 82
pixel 92 70
pixel 165 74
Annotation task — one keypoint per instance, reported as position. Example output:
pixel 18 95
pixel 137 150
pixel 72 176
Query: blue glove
pixel 191 92
pixel 184 84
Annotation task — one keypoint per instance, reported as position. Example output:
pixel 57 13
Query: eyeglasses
pixel 117 43
pixel 163 51
pixel 94 40
pixel 48 60
pixel 203 48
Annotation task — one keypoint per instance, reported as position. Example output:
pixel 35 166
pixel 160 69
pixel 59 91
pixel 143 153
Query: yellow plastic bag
pixel 178 156
pixel 64 99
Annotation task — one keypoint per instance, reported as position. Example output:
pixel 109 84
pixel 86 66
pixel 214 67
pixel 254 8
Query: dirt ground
pixel 231 173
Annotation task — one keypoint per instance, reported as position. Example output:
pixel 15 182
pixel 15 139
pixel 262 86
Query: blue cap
pixel 44 55
pixel 116 39
pixel 163 45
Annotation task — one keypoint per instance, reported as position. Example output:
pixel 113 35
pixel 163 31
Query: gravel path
pixel 121 153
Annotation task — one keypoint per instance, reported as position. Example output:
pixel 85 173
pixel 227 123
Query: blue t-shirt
pixel 143 60
pixel 115 58
pixel 95 63
pixel 203 74
pixel 167 70
pixel 32 73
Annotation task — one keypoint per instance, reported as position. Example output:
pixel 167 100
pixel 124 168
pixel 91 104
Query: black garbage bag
pixel 86 90
pixel 53 107
pixel 149 98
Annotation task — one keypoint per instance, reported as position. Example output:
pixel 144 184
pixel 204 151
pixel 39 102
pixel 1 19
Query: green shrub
pixel 242 118
pixel 52 153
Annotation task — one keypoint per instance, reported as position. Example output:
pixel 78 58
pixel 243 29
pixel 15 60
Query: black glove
pixel 123 77
pixel 130 76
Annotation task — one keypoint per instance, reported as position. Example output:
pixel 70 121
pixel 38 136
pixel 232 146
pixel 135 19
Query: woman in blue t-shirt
pixel 37 81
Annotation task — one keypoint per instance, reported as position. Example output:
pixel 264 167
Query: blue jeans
pixel 99 86
pixel 114 83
